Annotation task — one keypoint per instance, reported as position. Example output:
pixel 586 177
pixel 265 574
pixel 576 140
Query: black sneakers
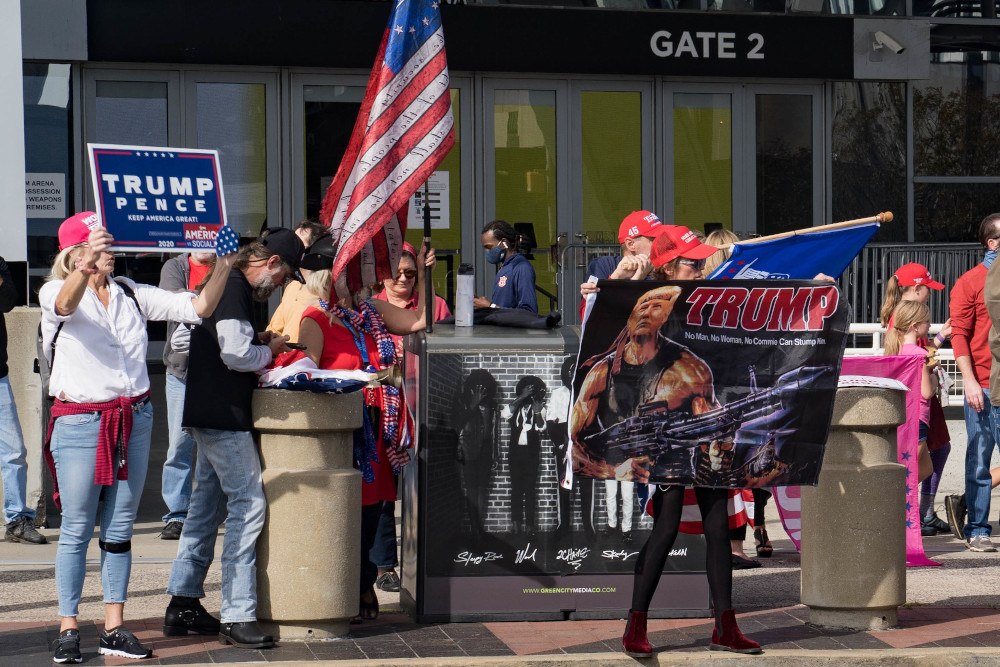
pixel 22 530
pixel 122 643
pixel 186 615
pixel 172 531
pixel 67 647
pixel 956 510
pixel 388 582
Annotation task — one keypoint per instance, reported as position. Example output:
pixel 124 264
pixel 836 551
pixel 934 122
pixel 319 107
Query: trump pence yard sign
pixel 158 199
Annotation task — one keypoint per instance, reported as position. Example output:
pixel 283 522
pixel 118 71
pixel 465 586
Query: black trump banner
pixel 708 383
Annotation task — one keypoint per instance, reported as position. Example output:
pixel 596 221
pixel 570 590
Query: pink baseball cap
pixel 76 229
pixel 639 223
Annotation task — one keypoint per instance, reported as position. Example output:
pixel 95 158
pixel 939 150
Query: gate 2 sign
pixel 158 199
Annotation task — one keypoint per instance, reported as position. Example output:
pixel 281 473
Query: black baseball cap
pixel 286 245
pixel 320 255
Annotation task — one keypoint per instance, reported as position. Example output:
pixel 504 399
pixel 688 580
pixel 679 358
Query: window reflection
pixel 232 119
pixel 869 154
pixel 956 116
pixel 47 122
pixel 784 163
pixel 330 112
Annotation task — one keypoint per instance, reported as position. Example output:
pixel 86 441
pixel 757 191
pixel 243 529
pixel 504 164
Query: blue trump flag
pixel 802 255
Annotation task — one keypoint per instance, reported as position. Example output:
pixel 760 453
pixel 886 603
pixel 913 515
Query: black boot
pixel 244 635
pixel 186 615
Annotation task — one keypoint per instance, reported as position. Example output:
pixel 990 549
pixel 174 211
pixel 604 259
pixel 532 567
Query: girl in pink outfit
pixel 910 323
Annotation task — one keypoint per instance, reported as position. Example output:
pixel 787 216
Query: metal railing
pixel 863 283
pixel 945 356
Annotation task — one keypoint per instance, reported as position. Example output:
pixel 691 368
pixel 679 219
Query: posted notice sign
pixel 158 199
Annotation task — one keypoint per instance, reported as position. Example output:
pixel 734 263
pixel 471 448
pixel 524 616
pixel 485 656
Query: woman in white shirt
pixel 94 333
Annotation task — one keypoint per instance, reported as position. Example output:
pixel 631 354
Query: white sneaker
pixel 980 543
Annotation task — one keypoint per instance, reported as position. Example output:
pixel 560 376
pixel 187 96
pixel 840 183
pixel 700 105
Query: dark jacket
pixel 8 299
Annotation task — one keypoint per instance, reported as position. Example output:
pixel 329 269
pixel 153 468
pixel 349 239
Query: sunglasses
pixel 409 273
pixel 698 264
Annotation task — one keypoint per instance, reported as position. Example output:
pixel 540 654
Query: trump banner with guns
pixel 719 384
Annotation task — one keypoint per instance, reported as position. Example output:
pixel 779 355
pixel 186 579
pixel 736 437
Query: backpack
pixel 43 365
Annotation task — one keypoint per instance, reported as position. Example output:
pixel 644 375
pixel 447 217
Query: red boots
pixel 731 639
pixel 634 640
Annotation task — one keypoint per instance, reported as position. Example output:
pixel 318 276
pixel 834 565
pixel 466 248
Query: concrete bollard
pixel 22 331
pixel 853 533
pixel 308 559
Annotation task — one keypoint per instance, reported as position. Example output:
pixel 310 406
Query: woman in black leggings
pixel 667 504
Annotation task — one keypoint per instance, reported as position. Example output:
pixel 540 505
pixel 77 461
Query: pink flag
pixel 907 370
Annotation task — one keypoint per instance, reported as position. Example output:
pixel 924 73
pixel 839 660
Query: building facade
pixel 759 116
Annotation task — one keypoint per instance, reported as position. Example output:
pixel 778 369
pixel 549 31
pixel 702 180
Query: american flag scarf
pixel 366 319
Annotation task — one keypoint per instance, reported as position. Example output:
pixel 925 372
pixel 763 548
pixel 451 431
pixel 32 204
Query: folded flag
pixel 227 241
pixel 303 375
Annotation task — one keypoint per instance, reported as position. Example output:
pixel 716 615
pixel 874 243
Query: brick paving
pixel 394 637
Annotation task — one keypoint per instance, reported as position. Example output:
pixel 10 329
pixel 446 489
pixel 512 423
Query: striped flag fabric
pixel 403 131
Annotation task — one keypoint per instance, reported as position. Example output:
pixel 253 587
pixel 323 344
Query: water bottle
pixel 464 296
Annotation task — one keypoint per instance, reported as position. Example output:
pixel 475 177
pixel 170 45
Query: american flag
pixel 403 131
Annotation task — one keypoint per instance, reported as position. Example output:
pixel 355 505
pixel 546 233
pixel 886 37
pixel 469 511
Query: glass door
pixel 611 139
pixel 525 138
pixel 237 115
pixel 786 159
pixel 743 157
pixel 702 152
pixel 324 109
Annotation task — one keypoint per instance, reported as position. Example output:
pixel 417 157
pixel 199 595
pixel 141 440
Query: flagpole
pixel 428 272
pixel 881 217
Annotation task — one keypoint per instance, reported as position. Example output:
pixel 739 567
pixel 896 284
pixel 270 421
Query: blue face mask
pixel 496 254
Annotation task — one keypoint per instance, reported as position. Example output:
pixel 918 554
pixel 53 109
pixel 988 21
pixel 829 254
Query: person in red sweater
pixel 970 327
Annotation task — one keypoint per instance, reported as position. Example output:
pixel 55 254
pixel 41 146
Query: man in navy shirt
pixel 515 281
pixel 636 235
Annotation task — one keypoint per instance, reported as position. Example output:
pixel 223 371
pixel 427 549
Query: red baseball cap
pixel 76 229
pixel 639 223
pixel 678 241
pixel 916 274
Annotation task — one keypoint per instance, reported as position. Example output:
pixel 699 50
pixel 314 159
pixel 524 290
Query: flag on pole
pixel 403 131
pixel 800 255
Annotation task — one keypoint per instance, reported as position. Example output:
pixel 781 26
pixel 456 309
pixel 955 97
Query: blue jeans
pixel 178 469
pixel 227 484
pixel 13 458
pixel 981 429
pixel 74 448
pixel 383 551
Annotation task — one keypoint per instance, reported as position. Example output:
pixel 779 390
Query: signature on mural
pixel 678 552
pixel 469 558
pixel 573 556
pixel 612 554
pixel 527 553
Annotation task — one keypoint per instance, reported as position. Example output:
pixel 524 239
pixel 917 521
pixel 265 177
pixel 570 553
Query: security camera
pixel 884 40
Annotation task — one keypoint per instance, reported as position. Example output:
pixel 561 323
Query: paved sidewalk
pixel 950 619
pixel 943 635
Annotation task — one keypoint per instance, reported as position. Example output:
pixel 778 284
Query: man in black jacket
pixel 225 355
pixel 20 518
